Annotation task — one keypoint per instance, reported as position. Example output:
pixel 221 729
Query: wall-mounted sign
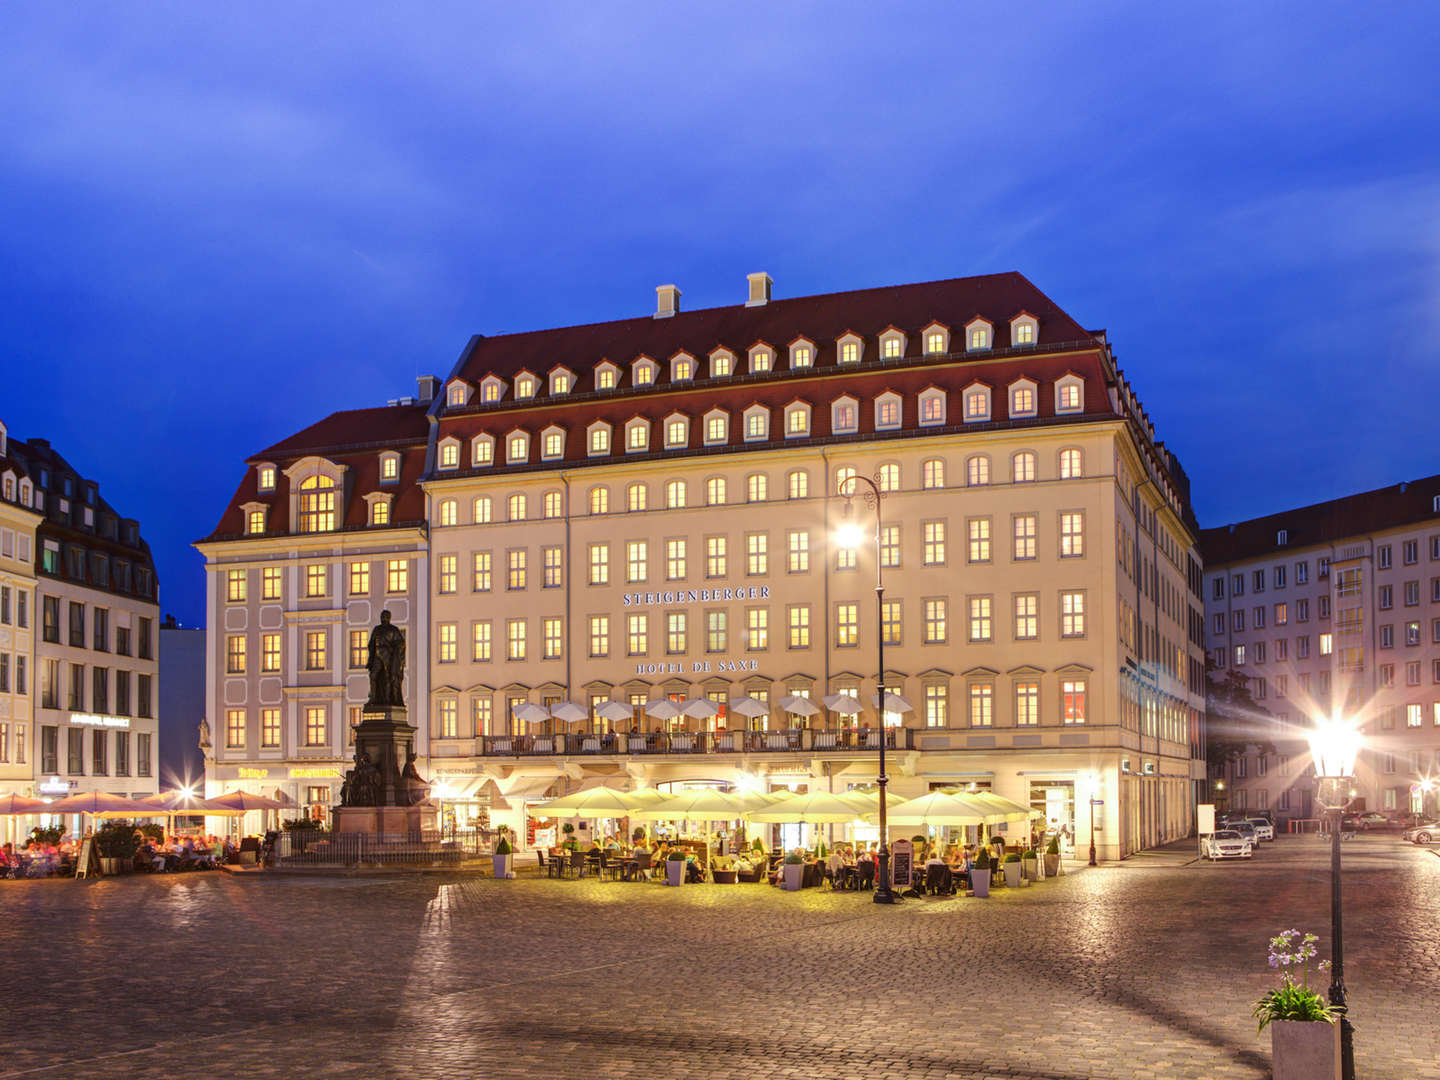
pixel 315 772
pixel 92 720
pixel 245 772
pixel 54 786
pixel 695 596
pixel 692 667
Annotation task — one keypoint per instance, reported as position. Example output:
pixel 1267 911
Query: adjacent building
pixel 1326 609
pixel 639 516
pixel 19 517
pixel 182 705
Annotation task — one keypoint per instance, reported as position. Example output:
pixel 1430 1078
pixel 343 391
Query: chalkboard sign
pixel 902 862
pixel 85 860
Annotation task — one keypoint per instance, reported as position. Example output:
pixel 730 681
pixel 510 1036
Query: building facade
pixel 1333 609
pixel 326 530
pixel 94 678
pixel 182 705
pixel 19 518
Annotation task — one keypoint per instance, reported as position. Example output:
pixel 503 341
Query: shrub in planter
pixel 793 871
pixel 504 857
pixel 1031 862
pixel 47 836
pixel 980 874
pixel 1013 869
pixel 1305 1038
pixel 1052 857
pixel 116 843
pixel 675 867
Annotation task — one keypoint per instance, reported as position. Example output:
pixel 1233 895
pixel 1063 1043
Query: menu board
pixel 902 863
pixel 84 861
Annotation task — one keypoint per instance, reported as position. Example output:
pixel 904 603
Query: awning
pixel 517 789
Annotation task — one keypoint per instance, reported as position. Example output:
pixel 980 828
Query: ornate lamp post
pixel 849 535
pixel 1094 779
pixel 1334 745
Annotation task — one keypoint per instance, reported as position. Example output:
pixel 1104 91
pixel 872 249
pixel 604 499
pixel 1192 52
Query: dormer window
pixel 517 448
pixel 762 359
pixel 450 453
pixel 482 450
pixel 1024 329
pixel 257 517
pixel 887 412
pixel 562 380
pixel 802 354
pixel 932 406
pixel 389 468
pixel 264 477
pixel 492 389
pixel 380 511
pixel 717 427
pixel 1069 394
pixel 677 431
pixel 643 371
pixel 316 504
pixel 892 344
pixel 552 443
pixel 597 438
pixel 978 333
pixel 524 385
pixel 937 339
pixel 845 416
pixel 637 436
pixel 1023 398
pixel 977 403
pixel 722 364
pixel 848 349
pixel 797 420
pixel 757 423
pixel 457 393
pixel 682 367
pixel 607 376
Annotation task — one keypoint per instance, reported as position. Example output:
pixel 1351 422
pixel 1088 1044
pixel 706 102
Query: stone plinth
pixel 387 737
pixel 385 822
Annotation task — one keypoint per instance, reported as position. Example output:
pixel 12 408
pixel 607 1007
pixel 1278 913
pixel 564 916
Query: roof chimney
pixel 759 289
pixel 667 301
pixel 428 384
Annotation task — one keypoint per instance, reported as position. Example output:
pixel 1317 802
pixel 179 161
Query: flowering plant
pixel 1291 1000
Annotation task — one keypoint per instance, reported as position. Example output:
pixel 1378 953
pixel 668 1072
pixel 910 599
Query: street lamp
pixel 1334 745
pixel 849 535
pixel 1094 779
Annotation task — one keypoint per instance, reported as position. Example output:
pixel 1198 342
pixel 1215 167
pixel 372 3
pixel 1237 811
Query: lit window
pixel 599 500
pixel 235 581
pixel 802 355
pixel 757 424
pixel 1022 467
pixel 449 575
pixel 481 510
pixel 550 505
pixel 717 631
pixel 560 382
pixel 1072 614
pixel 799 484
pixel 380 513
pixel 554 445
pixel 599 564
pixel 1071 465
pixel 843 477
pixel 979 550
pixel 977 404
pixel 937 705
pixel 637 561
pixel 887 412
pixel 847 625
pixel 888 477
pixel 267 478
pixel 933 543
pixel 446 644
pixel 717 428
pixel 315 726
pixel 456 394
pixel 316 579
pixel 518 570
pixel 757 629
pixel 515 639
pixel 981 618
pixel 1022 401
pixel 600 440
pixel 482 450
pixel 235 654
pixel 317 504
pixel 977 470
pixel 482 640
pixel 761 360
pixel 638 635
pixel 797 421
pixel 892 347
pixel 715 491
pixel 716 556
pixel 270 583
pixel 799 621
pixel 890 546
pixel 1068 396
pixel 676 560
pixel 1025 526
pixel 676 632
pixel 1027 617
pixel 932 474
pixel 936 621
pixel 525 386
pixel 935 342
pixel 389 468
pixel 491 390
pixel 675 492
pixel 849 351
pixel 677 432
pixel 1072 535
pixel 517 507
pixel 255 522
pixel 599 635
pixel 982 704
pixel 757 487
pixel 397 575
pixel 449 718
pixel 449 512
pixel 449 455
pixel 552 635
pixel 932 407
pixel 798 551
pixel 606 376
pixel 359 579
pixel 316 643
pixel 644 374
pixel 269 727
pixel 636 497
pixel 1024 333
pixel 757 554
pixel 637 436
pixel 978 335
pixel 518 447
pixel 845 416
pixel 1072 692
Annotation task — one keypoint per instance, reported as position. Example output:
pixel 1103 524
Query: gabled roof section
pixel 354 429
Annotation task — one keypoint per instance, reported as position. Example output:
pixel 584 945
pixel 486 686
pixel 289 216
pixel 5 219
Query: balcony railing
pixel 784 741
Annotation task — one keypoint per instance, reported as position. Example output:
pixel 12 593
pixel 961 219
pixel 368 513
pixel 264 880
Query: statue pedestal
pixel 387 738
pixel 383 823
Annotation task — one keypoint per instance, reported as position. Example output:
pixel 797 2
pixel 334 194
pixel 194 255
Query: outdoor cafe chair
pixel 577 863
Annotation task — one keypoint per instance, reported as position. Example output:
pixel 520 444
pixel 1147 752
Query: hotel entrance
pixel 1056 800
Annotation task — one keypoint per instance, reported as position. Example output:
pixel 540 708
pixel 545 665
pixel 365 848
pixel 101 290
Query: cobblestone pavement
pixel 1146 968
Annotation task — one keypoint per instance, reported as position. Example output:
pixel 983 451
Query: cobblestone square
pixel 1146 968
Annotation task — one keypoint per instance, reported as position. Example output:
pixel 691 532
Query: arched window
pixel 715 491
pixel 799 483
pixel 599 500
pixel 888 477
pixel 1022 467
pixel 843 475
pixel 757 487
pixel 675 495
pixel 317 504
pixel 599 440
pixel 636 497
pixel 1072 465
pixel 480 512
pixel 449 454
pixel 550 506
pixel 449 512
pixel 977 470
pixel 933 474
pixel 517 507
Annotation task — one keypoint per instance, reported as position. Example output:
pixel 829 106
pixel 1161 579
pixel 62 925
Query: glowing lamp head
pixel 187 792
pixel 1334 745
pixel 849 534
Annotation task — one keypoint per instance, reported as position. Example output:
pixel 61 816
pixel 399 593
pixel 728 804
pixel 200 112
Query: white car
pixel 1422 834
pixel 1263 829
pixel 1225 844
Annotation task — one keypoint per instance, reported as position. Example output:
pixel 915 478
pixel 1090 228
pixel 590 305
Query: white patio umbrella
pixel 96 803
pixel 817 807
pixel 800 706
pixel 243 801
pixel 662 709
pixel 594 802
pixel 176 803
pixel 868 802
pixel 844 704
pixel 700 709
pixel 893 702
pixel 701 804
pixel 1002 808
pixel 569 712
pixel 531 713
pixel 11 805
pixel 615 710
pixel 937 808
pixel 749 706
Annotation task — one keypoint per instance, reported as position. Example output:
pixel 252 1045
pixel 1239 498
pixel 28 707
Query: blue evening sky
pixel 222 222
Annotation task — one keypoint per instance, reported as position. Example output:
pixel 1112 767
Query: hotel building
pixel 19 516
pixel 1331 608
pixel 642 512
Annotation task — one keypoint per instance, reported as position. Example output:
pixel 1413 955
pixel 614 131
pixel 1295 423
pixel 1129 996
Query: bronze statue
pixel 362 783
pixel 417 790
pixel 386 663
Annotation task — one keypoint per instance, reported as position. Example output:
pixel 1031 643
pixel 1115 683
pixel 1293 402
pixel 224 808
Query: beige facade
pixel 18 520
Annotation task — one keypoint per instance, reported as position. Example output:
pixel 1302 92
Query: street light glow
pixel 849 535
pixel 1334 745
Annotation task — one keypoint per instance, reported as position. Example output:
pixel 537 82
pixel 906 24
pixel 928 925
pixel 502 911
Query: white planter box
pixel 1305 1050
pixel 794 874
pixel 1012 874
pixel 1032 868
pixel 1052 864
pixel 503 864
pixel 674 871
pixel 980 882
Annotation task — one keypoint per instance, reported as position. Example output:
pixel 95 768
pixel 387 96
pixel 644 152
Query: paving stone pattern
pixel 1146 968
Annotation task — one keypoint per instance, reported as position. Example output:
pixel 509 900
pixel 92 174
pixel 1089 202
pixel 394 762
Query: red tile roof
pixel 1402 504
pixel 387 425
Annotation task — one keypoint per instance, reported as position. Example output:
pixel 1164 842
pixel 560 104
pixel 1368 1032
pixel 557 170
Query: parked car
pixel 1246 830
pixel 1225 844
pixel 1263 829
pixel 1422 834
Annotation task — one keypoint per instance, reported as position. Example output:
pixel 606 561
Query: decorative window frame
pixel 802 407
pixel 599 425
pixel 555 372
pixel 1067 380
pixel 374 498
pixel 630 425
pixel 449 441
pixel 613 369
pixel 683 357
pixel 519 383
pixel 1023 384
pixel 965 394
pixel 929 394
pixel 849 338
pixel 246 509
pixel 713 414
pixel 641 364
pixel 492 389
pixel 935 327
pixel 390 455
pixel 760 358
pixel 510 456
pixel 669 443
pixel 892 334
pixel 458 388
pixel 552 429
pixel 835 407
pixel 482 451
pixel 889 397
pixel 745 418
pixel 314 465
pixel 260 485
pixel 719 357
pixel 1024 318
pixel 797 344
pixel 979 323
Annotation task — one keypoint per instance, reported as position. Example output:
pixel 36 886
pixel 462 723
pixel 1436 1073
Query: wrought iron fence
pixel 308 847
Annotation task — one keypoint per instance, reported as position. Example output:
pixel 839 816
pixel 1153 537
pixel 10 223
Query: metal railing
pixel 307 847
pixel 782 741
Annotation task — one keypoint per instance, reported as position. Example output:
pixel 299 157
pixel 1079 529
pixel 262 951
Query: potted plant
pixel 794 871
pixel 1305 1038
pixel 1031 862
pixel 504 857
pixel 569 831
pixel 675 867
pixel 1012 869
pixel 980 874
pixel 116 844
pixel 1052 857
